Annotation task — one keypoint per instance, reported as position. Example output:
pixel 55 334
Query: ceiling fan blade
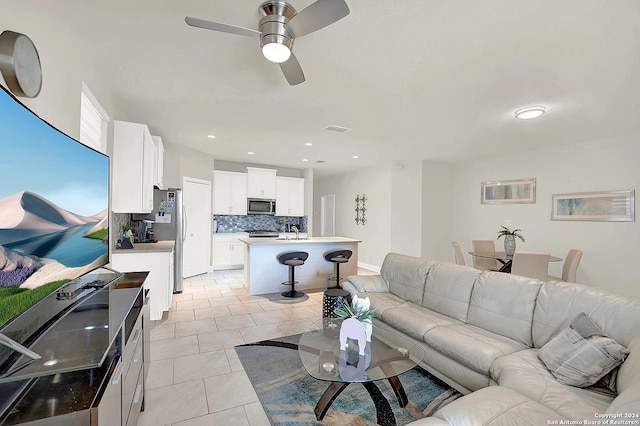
pixel 292 70
pixel 218 26
pixel 316 16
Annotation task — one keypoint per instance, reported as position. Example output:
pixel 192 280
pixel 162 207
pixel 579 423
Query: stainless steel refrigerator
pixel 169 224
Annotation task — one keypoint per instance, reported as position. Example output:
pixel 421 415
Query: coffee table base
pixel 383 409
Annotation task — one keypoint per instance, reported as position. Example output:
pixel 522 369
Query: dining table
pixel 505 259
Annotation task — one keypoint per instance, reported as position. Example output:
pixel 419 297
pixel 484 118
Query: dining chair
pixel 531 264
pixel 484 246
pixel 457 251
pixel 569 267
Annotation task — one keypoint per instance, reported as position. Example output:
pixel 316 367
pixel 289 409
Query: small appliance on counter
pixel 166 223
pixel 144 231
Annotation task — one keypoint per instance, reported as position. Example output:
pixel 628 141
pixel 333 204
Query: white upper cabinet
pixel 261 183
pixel 290 196
pixel 133 168
pixel 158 163
pixel 230 193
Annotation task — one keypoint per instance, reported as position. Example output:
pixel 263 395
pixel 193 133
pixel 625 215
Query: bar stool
pixel 337 257
pixel 292 259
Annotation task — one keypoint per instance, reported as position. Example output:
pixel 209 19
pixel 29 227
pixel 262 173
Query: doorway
pixel 328 215
pixel 197 226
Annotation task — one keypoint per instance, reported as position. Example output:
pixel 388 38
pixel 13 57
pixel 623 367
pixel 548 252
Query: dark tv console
pixel 94 355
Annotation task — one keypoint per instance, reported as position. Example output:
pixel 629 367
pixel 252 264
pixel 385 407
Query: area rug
pixel 289 394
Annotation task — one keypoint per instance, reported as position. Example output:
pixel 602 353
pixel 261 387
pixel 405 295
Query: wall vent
pixel 337 129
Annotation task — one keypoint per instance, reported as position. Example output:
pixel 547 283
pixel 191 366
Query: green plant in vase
pixel 510 239
pixel 359 309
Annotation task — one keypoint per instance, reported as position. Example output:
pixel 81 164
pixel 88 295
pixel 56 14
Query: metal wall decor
pixel 361 209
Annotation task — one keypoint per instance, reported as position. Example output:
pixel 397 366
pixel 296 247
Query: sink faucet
pixel 297 231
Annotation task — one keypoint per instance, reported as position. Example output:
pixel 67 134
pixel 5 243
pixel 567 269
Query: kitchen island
pixel 264 274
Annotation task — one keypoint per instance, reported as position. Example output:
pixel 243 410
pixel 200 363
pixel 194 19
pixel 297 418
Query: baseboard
pixel 369 267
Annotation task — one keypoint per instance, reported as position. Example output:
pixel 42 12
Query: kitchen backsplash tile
pixel 229 223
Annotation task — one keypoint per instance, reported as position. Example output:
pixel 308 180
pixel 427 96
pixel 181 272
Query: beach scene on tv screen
pixel 53 204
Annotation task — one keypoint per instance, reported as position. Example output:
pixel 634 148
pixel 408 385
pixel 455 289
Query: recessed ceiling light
pixel 530 112
pixel 355 156
pixel 308 144
pixel 211 136
pixel 251 153
pixel 305 159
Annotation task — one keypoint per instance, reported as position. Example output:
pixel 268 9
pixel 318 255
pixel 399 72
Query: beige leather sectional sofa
pixel 482 330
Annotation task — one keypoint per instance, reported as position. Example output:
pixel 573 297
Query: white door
pixel 327 215
pixel 196 204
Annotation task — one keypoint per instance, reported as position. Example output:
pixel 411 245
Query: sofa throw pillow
pixel 582 353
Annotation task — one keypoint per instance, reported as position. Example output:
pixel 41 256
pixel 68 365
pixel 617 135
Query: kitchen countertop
pixel 160 246
pixel 311 240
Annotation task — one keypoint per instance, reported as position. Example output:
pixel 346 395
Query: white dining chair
pixel 457 251
pixel 530 264
pixel 569 267
pixel 485 263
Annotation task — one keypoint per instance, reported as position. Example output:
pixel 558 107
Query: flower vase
pixel 368 326
pixel 353 329
pixel 509 244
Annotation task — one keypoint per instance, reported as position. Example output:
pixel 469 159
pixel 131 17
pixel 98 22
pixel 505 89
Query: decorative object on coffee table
pixel 510 239
pixel 360 310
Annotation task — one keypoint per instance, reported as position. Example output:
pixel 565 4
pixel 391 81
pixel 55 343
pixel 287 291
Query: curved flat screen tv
pixel 54 205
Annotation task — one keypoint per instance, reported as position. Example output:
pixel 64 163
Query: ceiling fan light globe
pixel 276 52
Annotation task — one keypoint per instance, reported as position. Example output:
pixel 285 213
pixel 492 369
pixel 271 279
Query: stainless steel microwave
pixel 261 206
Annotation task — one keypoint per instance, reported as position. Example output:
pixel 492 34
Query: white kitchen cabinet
pixel 159 282
pixel 229 193
pixel 261 183
pixel 132 169
pixel 289 196
pixel 228 252
pixel 158 162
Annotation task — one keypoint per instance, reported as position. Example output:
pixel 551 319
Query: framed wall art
pixel 519 191
pixel 605 206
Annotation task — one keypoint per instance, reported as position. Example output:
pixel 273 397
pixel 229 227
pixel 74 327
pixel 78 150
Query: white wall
pixel 376 233
pixel 406 207
pixel 437 205
pixel 610 248
pixel 180 161
pixel 62 67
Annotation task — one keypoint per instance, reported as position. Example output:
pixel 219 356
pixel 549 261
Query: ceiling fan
pixel 279 26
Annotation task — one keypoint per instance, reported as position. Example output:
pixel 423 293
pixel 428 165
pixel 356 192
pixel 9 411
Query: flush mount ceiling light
pixel 211 136
pixel 530 112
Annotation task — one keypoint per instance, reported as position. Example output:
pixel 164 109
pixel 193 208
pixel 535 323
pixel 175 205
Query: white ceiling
pixel 414 79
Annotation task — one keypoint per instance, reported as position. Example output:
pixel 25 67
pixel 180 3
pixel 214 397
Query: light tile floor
pixel 195 377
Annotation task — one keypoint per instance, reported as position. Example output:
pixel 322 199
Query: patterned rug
pixel 289 395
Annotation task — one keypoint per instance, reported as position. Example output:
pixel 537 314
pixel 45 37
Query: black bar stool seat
pixel 337 257
pixel 292 259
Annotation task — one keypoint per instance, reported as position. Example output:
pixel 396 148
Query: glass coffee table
pixel 387 355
